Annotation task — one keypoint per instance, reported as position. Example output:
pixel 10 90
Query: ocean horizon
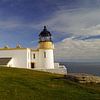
pixel 83 67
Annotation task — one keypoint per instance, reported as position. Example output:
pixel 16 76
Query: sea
pixel 83 67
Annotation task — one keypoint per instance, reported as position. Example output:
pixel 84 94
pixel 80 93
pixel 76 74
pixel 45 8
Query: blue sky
pixel 76 22
pixel 19 17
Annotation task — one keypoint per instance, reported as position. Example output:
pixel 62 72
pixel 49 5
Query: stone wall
pixel 56 71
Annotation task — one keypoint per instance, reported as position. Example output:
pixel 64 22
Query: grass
pixel 23 84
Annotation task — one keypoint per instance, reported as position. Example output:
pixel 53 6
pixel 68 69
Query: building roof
pixel 4 61
pixel 13 48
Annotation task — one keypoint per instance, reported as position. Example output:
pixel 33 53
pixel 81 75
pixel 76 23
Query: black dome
pixel 45 32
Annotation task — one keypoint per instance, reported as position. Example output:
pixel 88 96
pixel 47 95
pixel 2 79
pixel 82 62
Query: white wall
pixel 28 58
pixel 10 63
pixel 48 61
pixel 36 59
pixel 19 57
pixel 22 58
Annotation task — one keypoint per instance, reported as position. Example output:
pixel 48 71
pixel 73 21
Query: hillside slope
pixel 23 84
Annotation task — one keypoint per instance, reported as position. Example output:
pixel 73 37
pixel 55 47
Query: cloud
pixel 9 24
pixel 84 26
pixel 76 21
pixel 75 24
pixel 77 50
pixel 14 23
pixel 80 21
pixel 92 37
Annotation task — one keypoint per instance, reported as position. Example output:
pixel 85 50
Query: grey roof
pixel 4 61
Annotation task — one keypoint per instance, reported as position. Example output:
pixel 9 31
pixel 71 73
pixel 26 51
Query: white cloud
pixel 76 21
pixel 80 50
pixel 11 24
pixel 79 22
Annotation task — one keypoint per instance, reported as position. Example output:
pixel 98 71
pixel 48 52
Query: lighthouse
pixel 41 58
pixel 46 47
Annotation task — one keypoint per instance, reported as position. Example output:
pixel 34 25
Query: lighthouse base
pixel 59 69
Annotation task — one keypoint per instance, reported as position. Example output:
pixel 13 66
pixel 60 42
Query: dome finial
pixel 45 27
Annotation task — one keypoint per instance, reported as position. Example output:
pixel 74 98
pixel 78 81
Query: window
pixel 33 56
pixel 44 54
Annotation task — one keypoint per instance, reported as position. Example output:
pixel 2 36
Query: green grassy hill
pixel 23 84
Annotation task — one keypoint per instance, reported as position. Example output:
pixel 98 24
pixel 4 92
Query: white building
pixel 40 59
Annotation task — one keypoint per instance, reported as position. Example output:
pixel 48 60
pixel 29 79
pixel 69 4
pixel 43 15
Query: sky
pixel 74 24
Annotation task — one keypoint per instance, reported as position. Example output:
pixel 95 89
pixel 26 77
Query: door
pixel 32 65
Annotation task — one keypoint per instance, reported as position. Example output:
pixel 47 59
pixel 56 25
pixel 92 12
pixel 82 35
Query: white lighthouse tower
pixel 46 46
